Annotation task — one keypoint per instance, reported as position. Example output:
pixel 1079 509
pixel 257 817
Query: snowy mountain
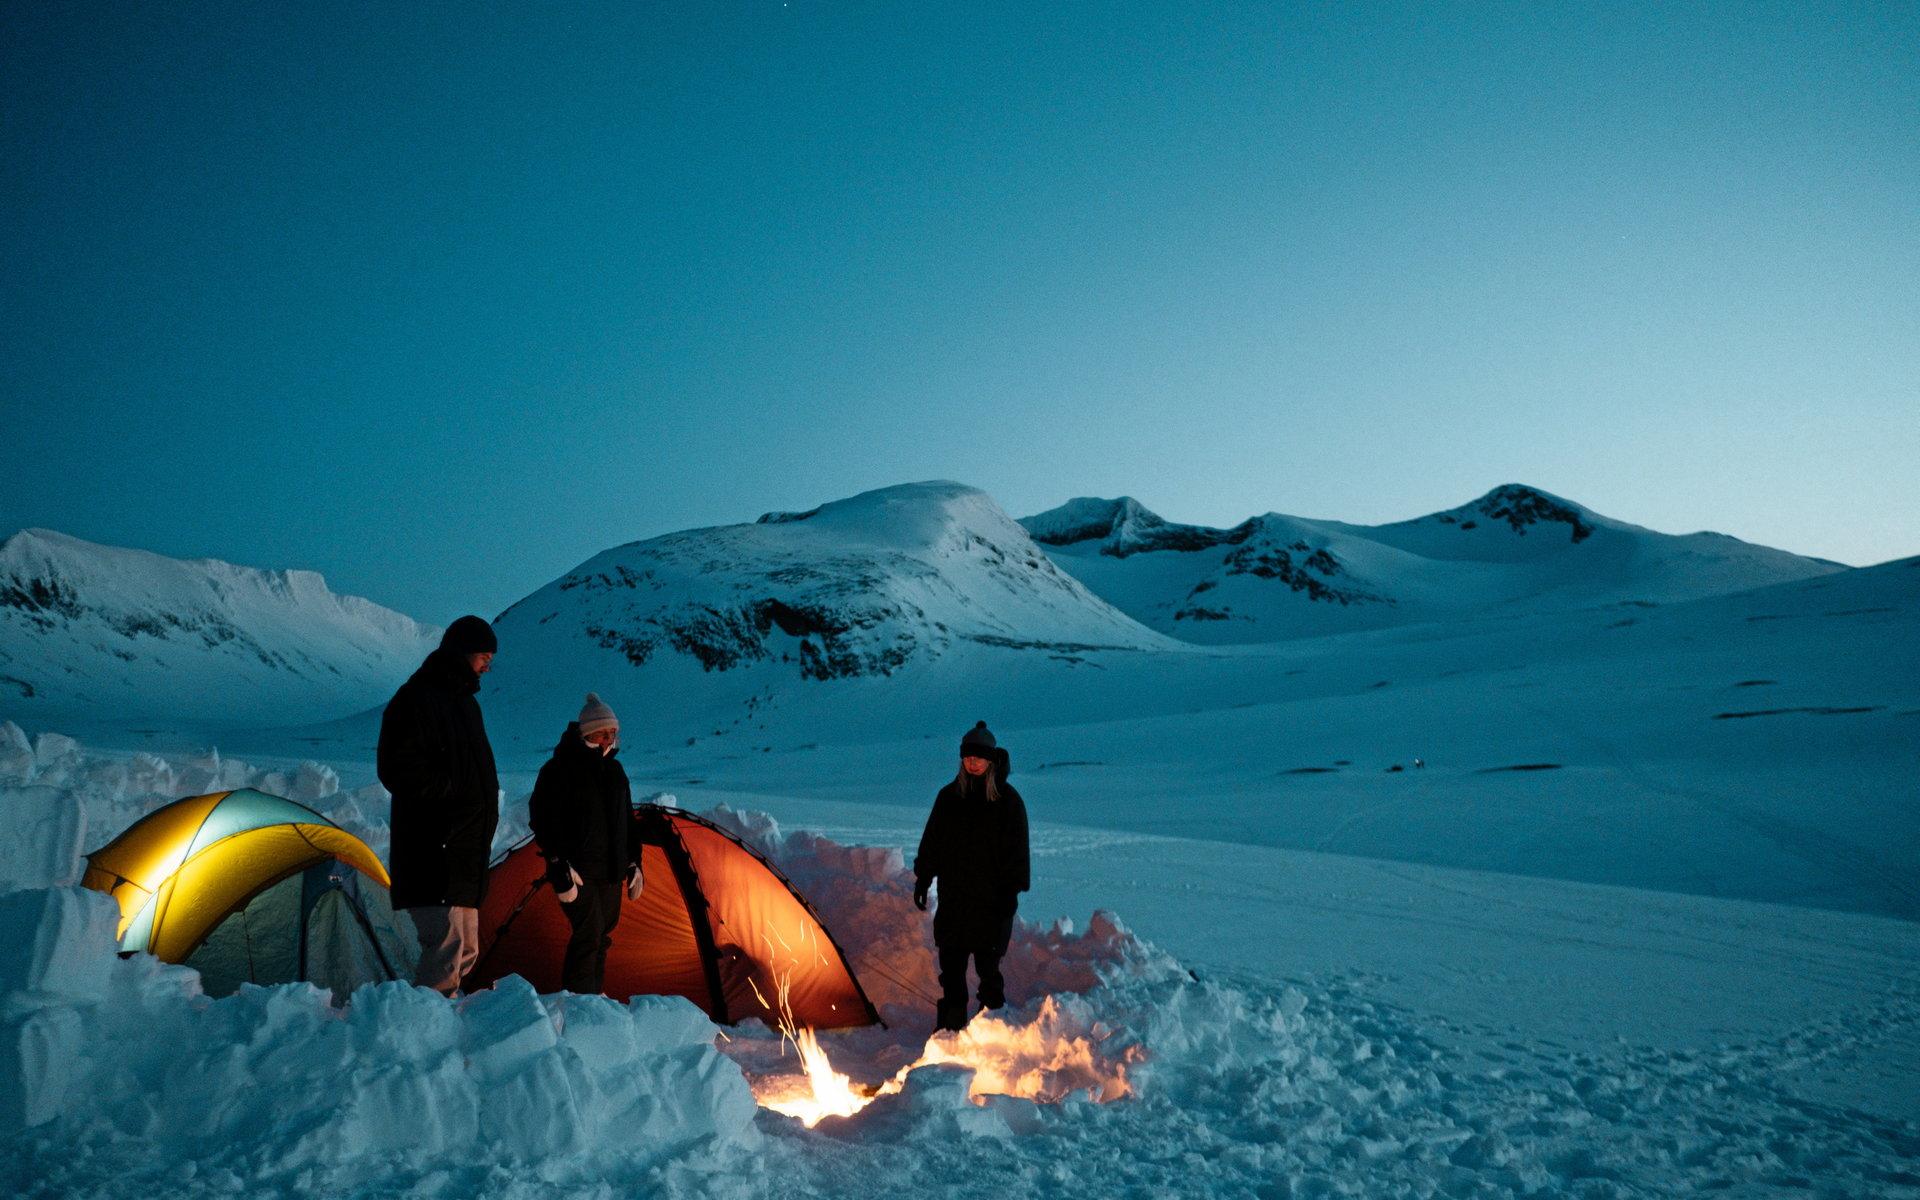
pixel 1515 549
pixel 101 633
pixel 882 586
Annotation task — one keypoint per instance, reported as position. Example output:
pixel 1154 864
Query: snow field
pixel 119 1078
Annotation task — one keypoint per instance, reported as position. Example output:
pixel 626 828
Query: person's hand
pixel 920 895
pixel 635 882
pixel 565 880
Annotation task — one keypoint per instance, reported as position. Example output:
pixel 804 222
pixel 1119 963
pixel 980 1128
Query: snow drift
pixel 121 1066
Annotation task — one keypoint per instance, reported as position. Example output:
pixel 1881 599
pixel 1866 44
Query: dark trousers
pixel 593 916
pixel 953 977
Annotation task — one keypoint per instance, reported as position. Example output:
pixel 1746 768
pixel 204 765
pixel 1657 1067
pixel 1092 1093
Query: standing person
pixel 975 844
pixel 582 816
pixel 435 759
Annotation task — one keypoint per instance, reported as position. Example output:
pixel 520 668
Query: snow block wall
pixel 104 1056
pixel 59 800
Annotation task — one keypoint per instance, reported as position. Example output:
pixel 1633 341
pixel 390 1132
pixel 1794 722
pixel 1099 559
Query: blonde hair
pixel 988 778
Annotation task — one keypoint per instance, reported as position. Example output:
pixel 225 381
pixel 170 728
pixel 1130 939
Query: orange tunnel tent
pixel 183 870
pixel 715 923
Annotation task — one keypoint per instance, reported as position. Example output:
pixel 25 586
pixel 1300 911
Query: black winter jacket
pixel 582 811
pixel 978 851
pixel 435 759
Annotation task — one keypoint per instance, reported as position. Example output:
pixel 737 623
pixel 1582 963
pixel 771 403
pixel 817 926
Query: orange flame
pixel 820 1092
pixel 1042 1060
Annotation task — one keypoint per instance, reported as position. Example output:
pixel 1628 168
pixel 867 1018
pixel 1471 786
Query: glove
pixel 920 894
pixel 565 881
pixel 635 883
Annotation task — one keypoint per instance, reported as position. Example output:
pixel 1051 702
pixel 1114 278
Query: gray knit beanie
pixel 596 716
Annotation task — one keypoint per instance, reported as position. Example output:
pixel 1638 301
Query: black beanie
pixel 978 742
pixel 469 635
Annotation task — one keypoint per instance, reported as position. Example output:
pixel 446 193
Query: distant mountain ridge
pixel 1275 576
pixel 106 631
pixel 922 595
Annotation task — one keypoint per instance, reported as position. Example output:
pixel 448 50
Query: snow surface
pixel 1756 746
pixel 91 633
pixel 1302 1024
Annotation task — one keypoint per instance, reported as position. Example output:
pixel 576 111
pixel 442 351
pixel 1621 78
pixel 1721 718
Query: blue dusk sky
pixel 442 299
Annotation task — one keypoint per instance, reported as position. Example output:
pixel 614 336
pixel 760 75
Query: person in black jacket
pixel 582 817
pixel 975 845
pixel 435 759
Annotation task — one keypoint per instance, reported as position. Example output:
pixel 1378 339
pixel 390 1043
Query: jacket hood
pixel 447 669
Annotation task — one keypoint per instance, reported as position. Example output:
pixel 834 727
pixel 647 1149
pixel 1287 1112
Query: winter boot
pixel 950 1017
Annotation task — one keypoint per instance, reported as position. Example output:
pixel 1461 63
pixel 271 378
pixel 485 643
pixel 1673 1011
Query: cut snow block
pixel 680 1090
pixel 150 775
pixel 42 1053
pixel 671 1022
pixel 934 1105
pixel 313 782
pixel 42 832
pixel 505 1028
pixel 16 754
pixel 528 1105
pixel 647 1076
pixel 397 1022
pixel 57 942
pixel 51 749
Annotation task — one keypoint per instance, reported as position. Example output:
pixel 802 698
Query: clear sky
pixel 441 301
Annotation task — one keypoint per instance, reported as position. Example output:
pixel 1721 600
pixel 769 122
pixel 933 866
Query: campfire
pixel 1043 1060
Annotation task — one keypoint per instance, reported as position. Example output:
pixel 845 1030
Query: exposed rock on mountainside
pixel 1521 507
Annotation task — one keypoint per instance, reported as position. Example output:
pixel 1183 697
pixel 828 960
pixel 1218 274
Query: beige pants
pixel 449 944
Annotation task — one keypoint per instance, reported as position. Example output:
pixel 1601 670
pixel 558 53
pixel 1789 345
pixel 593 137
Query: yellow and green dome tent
pixel 263 863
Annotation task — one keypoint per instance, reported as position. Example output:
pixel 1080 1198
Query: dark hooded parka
pixel 977 849
pixel 582 811
pixel 435 759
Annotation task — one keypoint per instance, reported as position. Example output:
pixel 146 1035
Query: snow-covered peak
pixel 1521 507
pixel 1089 518
pixel 925 515
pixel 1513 521
pixel 867 586
pixel 114 634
